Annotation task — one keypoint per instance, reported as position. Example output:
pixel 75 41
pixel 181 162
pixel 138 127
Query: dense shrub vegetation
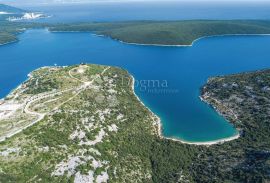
pixel 168 32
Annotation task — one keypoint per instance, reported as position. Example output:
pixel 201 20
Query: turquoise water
pixel 179 71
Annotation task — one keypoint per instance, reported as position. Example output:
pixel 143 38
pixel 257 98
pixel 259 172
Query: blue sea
pixel 168 79
pixel 151 10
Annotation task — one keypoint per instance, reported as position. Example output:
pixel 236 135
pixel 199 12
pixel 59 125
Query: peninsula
pixel 83 124
pixel 169 33
pixel 160 33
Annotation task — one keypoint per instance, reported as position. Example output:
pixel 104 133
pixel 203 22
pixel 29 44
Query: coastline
pixel 140 44
pixel 158 124
pixel 10 42
pixel 52 31
pixel 28 76
pixel 182 45
pixel 207 143
pixel 158 45
pixel 144 44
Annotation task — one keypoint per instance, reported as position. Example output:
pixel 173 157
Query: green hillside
pixel 152 32
pixel 169 32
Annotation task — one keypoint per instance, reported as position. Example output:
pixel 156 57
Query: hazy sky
pixel 29 2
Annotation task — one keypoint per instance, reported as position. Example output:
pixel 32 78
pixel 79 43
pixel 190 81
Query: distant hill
pixel 183 32
pixel 10 9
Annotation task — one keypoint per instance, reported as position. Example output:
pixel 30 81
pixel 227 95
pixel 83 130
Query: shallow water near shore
pixel 168 79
